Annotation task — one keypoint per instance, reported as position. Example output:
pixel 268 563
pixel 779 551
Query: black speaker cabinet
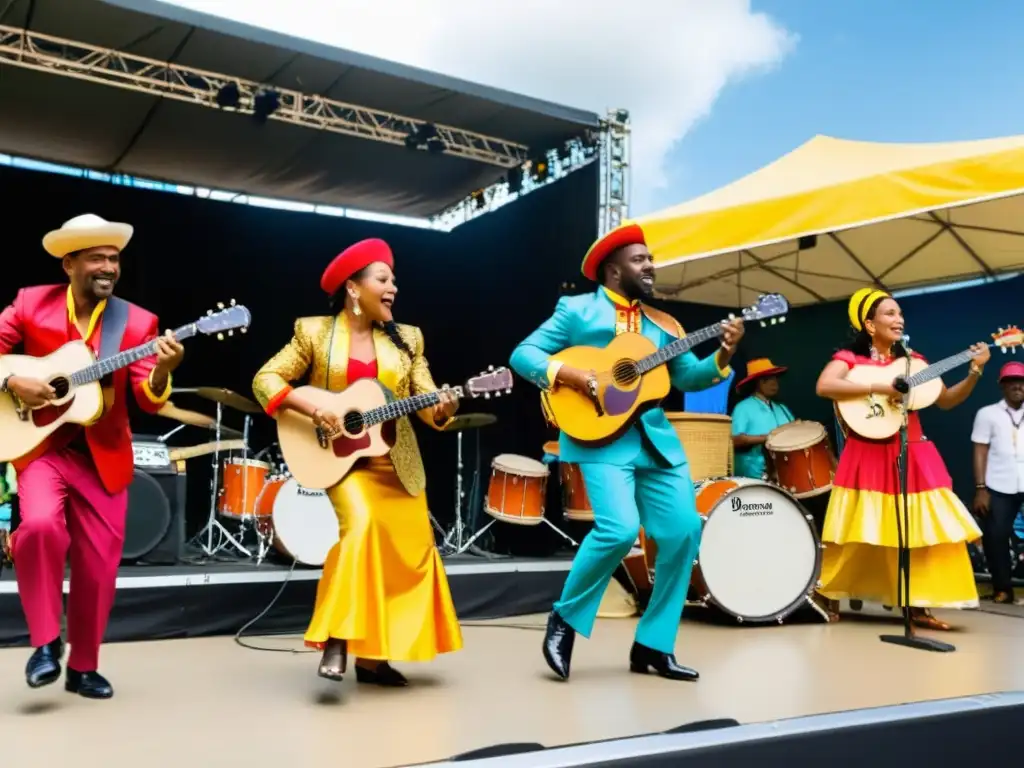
pixel 155 529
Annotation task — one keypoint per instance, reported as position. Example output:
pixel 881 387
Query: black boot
pixel 642 658
pixel 558 641
pixel 43 665
pixel 91 685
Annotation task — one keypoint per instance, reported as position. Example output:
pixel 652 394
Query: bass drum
pixel 760 555
pixel 302 526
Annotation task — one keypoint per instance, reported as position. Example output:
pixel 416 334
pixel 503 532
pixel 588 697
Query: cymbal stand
pixel 212 522
pixel 455 547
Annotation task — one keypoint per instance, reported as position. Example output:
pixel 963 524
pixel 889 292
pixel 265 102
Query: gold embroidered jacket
pixel 319 343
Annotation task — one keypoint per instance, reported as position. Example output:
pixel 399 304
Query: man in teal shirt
pixel 756 416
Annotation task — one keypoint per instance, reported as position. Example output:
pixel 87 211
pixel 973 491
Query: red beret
pixel 627 234
pixel 351 260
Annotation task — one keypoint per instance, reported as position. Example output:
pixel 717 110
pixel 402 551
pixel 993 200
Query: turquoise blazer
pixel 589 320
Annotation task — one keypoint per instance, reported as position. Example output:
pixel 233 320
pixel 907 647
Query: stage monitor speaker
pixel 155 528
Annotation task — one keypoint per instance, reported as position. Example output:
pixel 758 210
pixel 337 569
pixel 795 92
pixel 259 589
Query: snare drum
pixel 300 521
pixel 575 502
pixel 800 458
pixel 517 490
pixel 241 485
pixel 760 555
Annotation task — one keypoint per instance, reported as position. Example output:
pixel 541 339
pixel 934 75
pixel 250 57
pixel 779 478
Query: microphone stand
pixel 908 639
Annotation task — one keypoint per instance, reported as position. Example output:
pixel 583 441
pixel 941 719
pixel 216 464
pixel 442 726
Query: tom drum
pixel 241 484
pixel 760 555
pixel 517 490
pixel 800 458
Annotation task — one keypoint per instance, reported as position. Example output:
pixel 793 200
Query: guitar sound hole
pixel 353 422
pixel 61 386
pixel 625 372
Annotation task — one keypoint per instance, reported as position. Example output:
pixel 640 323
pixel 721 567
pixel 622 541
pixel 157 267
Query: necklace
pixel 1016 425
pixel 878 357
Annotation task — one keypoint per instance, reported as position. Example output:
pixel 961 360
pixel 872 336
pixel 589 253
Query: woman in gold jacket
pixel 383 595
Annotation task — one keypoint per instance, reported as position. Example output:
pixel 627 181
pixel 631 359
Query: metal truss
pixel 613 203
pixel 45 53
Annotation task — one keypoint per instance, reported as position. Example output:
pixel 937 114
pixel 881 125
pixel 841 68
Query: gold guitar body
pixel 623 398
pixel 877 417
pixel 75 405
pixel 316 467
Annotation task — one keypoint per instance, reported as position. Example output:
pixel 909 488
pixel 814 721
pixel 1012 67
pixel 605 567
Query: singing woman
pixel 860 533
pixel 383 595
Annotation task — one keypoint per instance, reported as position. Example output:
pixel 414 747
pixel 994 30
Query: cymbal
pixel 228 398
pixel 192 418
pixel 470 421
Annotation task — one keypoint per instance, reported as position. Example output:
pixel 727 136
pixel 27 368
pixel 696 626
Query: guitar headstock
pixel 1008 339
pixel 769 306
pixel 493 381
pixel 226 319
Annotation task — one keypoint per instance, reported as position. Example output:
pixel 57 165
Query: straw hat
pixel 86 231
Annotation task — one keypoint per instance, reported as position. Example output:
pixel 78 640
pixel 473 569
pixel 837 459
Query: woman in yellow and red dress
pixel 860 533
pixel 383 595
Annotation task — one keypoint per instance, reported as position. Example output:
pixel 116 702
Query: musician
pixel 642 478
pixel 73 488
pixel 383 595
pixel 860 533
pixel 999 476
pixel 756 415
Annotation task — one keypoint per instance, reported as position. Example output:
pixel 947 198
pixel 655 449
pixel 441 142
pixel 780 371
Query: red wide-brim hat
pixel 351 260
pixel 620 237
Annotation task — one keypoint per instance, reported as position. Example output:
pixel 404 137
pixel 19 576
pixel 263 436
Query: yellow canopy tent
pixel 835 215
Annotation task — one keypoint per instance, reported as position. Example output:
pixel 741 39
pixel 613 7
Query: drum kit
pixel 760 553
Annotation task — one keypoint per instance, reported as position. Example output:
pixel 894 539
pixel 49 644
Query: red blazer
pixel 39 318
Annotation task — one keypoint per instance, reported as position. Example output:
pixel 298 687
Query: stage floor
pixel 212 701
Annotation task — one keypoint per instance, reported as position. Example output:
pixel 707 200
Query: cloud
pixel 666 61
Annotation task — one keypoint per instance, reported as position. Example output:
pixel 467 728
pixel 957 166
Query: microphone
pixel 905 341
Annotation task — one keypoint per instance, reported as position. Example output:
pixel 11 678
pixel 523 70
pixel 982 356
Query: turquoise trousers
pixel 659 498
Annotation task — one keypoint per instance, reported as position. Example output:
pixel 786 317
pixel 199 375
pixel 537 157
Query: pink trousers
pixel 65 510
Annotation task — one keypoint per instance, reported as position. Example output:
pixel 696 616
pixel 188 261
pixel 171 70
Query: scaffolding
pixel 54 55
pixel 613 202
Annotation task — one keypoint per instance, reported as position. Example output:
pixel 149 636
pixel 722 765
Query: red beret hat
pixel 351 260
pixel 626 234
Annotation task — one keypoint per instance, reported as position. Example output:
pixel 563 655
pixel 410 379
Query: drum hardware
pixel 194 451
pixel 516 494
pixel 452 542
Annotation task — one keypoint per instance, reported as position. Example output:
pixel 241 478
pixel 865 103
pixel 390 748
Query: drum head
pixel 519 465
pixel 305 523
pixel 759 554
pixel 794 436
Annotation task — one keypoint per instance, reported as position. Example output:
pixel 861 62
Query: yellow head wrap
pixel 860 303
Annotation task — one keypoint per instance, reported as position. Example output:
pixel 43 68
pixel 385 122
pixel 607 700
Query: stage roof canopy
pixel 834 215
pixel 52 109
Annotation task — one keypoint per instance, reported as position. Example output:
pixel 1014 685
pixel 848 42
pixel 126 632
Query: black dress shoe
pixel 642 659
pixel 384 675
pixel 43 665
pixel 91 685
pixel 558 641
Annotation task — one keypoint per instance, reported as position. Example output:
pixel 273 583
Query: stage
pixel 212 700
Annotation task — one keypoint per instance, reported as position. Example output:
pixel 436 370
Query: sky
pixel 716 88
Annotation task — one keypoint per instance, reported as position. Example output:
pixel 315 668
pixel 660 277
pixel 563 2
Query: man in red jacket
pixel 73 489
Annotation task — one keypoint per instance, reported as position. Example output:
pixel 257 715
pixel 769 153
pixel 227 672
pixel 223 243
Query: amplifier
pixel 155 527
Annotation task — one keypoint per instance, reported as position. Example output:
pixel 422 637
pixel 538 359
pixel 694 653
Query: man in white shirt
pixel 999 475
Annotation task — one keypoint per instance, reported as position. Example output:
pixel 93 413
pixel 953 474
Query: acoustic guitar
pixel 75 374
pixel 318 460
pixel 877 417
pixel 631 377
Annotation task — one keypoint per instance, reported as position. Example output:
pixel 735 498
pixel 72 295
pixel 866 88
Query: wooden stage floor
pixel 212 702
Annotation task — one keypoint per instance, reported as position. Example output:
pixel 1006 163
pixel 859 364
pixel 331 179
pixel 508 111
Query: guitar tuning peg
pixel 244 330
pixel 764 324
pixel 487 395
pixel 782 319
pixel 209 312
pixel 232 302
pixel 220 337
pixel 220 305
pixel 231 333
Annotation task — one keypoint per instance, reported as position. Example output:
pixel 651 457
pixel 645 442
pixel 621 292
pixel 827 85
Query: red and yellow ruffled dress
pixel 860 534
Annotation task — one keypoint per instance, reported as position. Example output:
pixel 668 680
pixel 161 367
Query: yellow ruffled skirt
pixel 861 538
pixel 384 588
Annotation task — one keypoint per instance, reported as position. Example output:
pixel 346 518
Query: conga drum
pixel 800 458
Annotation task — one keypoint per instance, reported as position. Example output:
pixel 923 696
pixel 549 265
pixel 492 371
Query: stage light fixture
pixel 228 97
pixel 540 169
pixel 515 180
pixel 478 198
pixel 264 104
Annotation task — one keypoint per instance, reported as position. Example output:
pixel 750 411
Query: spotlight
pixel 540 169
pixel 515 180
pixel 264 105
pixel 228 96
pixel 478 199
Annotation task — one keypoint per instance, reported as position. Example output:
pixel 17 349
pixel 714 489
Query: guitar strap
pixel 115 321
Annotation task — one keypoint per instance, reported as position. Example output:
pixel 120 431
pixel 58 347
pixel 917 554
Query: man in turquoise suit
pixel 641 478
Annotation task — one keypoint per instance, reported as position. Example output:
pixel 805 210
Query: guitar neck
pixel 937 369
pixel 678 347
pixel 108 365
pixel 405 406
